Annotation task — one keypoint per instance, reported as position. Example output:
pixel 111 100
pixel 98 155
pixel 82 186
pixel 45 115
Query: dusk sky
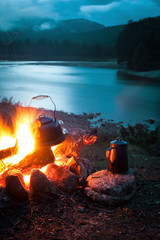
pixel 107 12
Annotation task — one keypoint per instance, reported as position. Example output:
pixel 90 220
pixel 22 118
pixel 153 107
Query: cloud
pixel 107 12
pixel 119 12
pixel 99 8
pixel 12 12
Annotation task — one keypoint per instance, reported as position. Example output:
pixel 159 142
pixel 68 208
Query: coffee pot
pixel 117 157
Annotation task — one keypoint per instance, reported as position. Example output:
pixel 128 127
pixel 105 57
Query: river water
pixel 79 88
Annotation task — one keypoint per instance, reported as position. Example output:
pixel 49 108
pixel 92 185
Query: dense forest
pixel 77 39
pixel 49 50
pixel 139 44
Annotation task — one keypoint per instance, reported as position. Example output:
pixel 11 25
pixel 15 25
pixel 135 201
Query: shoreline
pixel 153 74
pixel 105 130
pixel 112 63
pixel 79 121
pixel 82 63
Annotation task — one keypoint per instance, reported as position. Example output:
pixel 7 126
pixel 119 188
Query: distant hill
pixel 78 25
pixel 78 30
pixel 105 36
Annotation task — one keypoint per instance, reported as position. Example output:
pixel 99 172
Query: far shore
pixel 112 63
pixel 154 74
pixel 81 63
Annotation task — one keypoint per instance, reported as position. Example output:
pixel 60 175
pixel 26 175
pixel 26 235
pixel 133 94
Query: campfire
pixel 39 157
pixel 25 159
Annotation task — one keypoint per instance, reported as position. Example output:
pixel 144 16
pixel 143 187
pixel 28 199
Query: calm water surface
pixel 81 89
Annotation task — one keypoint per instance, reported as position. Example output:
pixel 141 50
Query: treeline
pixel 49 50
pixel 139 44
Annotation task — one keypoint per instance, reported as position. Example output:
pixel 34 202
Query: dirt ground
pixel 77 217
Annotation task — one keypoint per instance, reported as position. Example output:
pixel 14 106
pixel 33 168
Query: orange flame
pixel 15 132
pixel 24 141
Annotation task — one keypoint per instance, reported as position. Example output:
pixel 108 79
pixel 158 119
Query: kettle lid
pixel 118 142
pixel 45 119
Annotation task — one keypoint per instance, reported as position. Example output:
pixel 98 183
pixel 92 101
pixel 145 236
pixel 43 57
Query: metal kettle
pixel 46 130
pixel 117 156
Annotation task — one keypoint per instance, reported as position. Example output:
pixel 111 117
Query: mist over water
pixel 79 89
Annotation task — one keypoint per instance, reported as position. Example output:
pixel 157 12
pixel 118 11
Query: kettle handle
pixel 108 152
pixel 41 97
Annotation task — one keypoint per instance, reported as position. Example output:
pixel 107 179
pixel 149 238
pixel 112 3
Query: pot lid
pixel 45 119
pixel 119 142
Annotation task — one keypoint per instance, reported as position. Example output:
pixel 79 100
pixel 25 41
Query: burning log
pixel 15 185
pixel 36 159
pixel 8 152
pixel 73 144
pixel 71 147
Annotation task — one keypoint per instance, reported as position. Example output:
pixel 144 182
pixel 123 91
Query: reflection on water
pixel 81 89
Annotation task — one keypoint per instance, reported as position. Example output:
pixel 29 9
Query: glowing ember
pixel 58 161
pixel 89 139
pixel 26 179
pixel 43 169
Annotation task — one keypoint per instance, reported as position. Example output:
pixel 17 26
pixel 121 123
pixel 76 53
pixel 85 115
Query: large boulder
pixel 112 189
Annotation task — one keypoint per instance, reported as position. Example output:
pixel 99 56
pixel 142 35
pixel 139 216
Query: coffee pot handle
pixel 108 153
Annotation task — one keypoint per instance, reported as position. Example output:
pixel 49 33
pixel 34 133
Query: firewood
pixel 71 147
pixel 8 152
pixel 36 159
pixel 81 167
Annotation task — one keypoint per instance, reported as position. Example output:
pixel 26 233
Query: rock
pixel 62 177
pixel 151 121
pixel 40 185
pixel 113 189
pixel 15 185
